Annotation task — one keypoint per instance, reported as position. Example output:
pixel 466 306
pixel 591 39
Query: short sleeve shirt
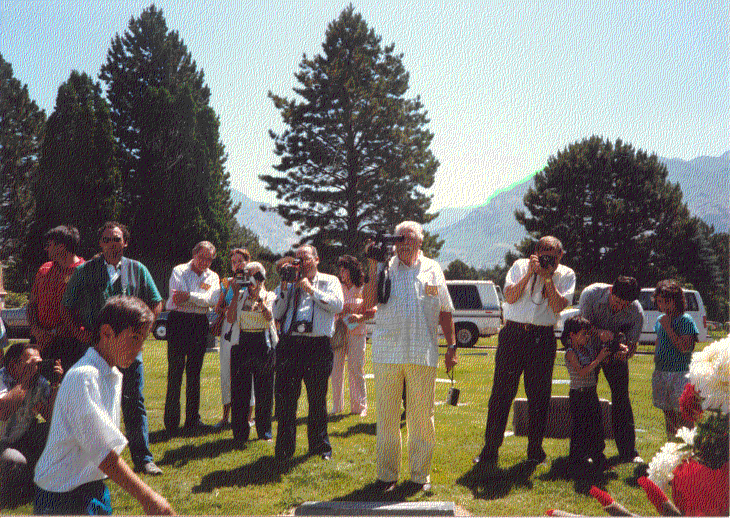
pixel 406 329
pixel 585 356
pixel 84 426
pixel 532 306
pixel 668 358
pixel 48 287
pixel 595 306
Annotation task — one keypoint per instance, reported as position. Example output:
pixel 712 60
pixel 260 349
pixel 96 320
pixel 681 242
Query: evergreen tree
pixel 21 130
pixel 355 157
pixel 77 179
pixel 609 205
pixel 175 190
pixel 459 270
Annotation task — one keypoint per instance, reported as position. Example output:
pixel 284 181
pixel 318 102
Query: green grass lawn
pixel 208 475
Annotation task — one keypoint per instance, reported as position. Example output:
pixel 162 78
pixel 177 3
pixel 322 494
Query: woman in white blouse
pixel 254 340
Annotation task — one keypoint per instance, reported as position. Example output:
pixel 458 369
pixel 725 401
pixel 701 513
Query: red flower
pixel 689 404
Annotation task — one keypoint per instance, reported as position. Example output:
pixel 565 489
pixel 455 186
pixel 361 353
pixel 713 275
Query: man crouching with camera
pixel 412 298
pixel 28 387
pixel 306 304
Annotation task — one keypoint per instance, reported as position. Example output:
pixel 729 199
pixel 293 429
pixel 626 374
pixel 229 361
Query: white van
pixel 478 311
pixel 695 308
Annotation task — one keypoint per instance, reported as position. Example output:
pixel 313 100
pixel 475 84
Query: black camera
pixel 547 261
pixel 614 345
pixel 242 280
pixel 302 326
pixel 381 247
pixel 45 369
pixel 290 271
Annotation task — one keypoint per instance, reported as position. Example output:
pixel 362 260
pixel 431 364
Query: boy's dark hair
pixel 626 288
pixel 113 224
pixel 14 352
pixel 669 289
pixel 242 251
pixel 122 312
pixel 66 235
pixel 353 266
pixel 574 324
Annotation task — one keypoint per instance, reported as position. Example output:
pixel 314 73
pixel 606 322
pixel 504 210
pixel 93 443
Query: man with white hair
pixel 194 290
pixel 405 347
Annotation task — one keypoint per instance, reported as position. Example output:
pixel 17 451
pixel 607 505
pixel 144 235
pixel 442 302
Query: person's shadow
pixel 498 482
pixel 583 476
pixel 264 470
pixel 372 492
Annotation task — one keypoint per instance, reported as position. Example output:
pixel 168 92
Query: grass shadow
pixel 373 493
pixel 359 428
pixel 189 452
pixel 499 482
pixel 583 478
pixel 263 471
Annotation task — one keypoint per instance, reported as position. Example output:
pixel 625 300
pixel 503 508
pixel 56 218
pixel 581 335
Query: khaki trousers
pixel 420 398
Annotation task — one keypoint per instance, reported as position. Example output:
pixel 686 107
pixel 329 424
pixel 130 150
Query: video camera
pixel 246 281
pixel 380 249
pixel 290 271
pixel 615 345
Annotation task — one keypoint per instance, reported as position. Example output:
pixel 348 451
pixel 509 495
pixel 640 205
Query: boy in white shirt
pixel 84 441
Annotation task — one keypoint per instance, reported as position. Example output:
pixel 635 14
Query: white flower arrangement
pixel 709 373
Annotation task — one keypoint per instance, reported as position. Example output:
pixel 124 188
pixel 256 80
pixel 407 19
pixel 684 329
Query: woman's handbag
pixel 339 338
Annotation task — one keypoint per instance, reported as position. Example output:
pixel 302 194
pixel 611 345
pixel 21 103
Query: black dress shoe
pixel 416 486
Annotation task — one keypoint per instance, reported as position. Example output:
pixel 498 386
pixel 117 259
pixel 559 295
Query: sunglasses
pixel 116 239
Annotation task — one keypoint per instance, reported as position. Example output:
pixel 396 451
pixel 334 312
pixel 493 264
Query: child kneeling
pixel 84 441
pixel 586 439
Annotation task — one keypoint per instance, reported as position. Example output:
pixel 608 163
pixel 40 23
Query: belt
pixel 592 388
pixel 529 327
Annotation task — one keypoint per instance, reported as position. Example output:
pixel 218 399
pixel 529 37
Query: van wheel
pixel 160 331
pixel 466 334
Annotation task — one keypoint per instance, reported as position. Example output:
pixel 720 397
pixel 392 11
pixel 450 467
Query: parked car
pixel 159 330
pixel 16 322
pixel 478 311
pixel 695 308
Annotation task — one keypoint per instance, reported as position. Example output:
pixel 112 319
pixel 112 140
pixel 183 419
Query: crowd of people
pixel 83 368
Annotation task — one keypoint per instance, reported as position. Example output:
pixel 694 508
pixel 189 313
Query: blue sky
pixel 506 84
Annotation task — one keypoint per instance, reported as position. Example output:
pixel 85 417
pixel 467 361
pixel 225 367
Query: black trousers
pixel 68 350
pixel 251 356
pixel 307 359
pixel 586 439
pixel 622 416
pixel 186 344
pixel 528 349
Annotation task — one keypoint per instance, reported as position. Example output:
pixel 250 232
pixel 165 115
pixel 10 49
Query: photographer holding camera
pixel 536 290
pixel 254 339
pixel 616 314
pixel 307 303
pixel 412 298
pixel 28 387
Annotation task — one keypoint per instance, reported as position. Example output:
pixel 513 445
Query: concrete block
pixel 559 421
pixel 343 508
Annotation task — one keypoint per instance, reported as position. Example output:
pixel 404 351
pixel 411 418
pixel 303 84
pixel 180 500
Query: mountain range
pixel 481 235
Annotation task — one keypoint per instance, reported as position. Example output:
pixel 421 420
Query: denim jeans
pixel 135 414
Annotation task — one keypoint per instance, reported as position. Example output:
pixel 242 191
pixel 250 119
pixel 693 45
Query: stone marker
pixel 343 508
pixel 559 422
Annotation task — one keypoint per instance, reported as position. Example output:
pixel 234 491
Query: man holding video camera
pixel 306 304
pixel 617 314
pixel 536 290
pixel 412 298
pixel 28 386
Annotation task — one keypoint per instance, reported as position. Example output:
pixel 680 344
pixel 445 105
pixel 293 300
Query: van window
pixel 646 301
pixel 691 302
pixel 465 296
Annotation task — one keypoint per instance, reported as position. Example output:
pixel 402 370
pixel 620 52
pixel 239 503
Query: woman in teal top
pixel 676 334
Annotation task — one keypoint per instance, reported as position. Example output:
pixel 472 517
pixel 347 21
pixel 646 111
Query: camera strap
pixel 384 285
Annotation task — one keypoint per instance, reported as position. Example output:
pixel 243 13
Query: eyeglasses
pixel 116 239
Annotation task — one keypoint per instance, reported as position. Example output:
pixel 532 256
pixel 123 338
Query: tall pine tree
pixel 21 132
pixel 355 158
pixel 77 179
pixel 175 190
